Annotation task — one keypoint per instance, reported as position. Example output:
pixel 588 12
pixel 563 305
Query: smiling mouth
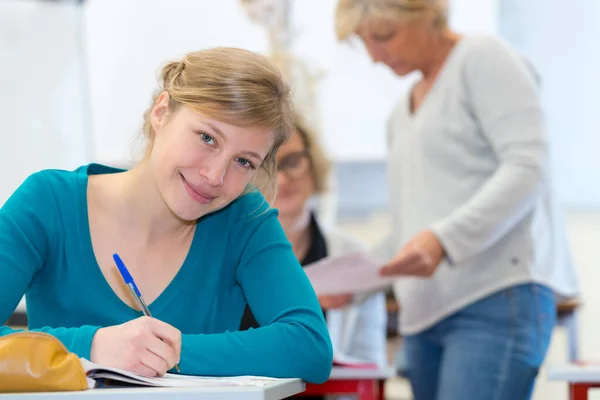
pixel 197 195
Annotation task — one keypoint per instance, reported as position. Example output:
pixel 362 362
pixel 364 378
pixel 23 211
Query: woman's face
pixel 201 164
pixel 295 184
pixel 402 46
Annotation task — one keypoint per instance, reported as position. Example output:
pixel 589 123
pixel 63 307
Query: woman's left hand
pixel 419 257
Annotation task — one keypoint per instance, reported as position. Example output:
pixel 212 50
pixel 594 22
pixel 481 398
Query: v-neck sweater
pixel 471 164
pixel 239 255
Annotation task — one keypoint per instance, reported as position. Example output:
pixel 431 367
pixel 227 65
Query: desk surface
pixel 275 391
pixel 345 373
pixel 574 373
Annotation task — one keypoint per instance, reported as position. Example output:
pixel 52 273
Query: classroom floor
pixel 398 388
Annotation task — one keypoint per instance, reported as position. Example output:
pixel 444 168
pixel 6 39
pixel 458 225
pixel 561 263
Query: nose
pixel 377 54
pixel 282 178
pixel 215 172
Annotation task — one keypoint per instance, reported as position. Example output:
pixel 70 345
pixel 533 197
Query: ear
pixel 159 111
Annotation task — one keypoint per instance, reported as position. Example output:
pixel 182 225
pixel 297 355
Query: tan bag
pixel 38 362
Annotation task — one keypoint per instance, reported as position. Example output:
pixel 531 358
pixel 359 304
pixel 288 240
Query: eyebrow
pixel 220 133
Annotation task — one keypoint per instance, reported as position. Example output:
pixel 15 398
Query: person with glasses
pixel 302 173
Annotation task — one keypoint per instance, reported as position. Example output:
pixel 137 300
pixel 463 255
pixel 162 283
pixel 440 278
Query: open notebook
pixel 95 371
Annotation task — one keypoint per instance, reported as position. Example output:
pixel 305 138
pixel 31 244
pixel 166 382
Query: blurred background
pixel 76 77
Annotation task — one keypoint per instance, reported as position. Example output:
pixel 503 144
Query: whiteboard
pixel 42 101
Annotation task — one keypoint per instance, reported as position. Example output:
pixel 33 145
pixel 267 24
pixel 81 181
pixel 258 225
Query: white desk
pixel 275 391
pixel 581 378
pixel 364 383
pixel 344 373
pixel 574 373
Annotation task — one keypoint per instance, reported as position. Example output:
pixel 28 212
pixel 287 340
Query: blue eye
pixel 245 163
pixel 206 138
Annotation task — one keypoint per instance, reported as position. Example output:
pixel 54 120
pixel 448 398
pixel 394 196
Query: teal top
pixel 238 255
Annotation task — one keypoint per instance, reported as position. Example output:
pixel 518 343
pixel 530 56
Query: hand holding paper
pixel 335 301
pixel 419 257
pixel 348 274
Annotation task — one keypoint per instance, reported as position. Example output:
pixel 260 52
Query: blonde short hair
pixel 234 86
pixel 320 163
pixel 351 13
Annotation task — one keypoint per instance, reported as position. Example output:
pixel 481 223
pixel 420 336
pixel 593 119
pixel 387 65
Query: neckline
pixel 317 248
pixel 89 256
pixel 443 70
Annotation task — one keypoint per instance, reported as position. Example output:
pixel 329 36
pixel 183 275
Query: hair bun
pixel 171 72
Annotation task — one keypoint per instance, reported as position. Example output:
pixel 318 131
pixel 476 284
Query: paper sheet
pixel 353 273
pixel 95 371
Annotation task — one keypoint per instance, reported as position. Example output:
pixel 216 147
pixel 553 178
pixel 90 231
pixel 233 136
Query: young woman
pixel 189 223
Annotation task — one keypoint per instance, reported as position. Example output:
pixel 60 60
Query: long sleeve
pixel 502 96
pixel 292 341
pixel 28 224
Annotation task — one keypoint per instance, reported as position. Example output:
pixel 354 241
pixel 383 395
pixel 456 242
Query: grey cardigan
pixel 472 165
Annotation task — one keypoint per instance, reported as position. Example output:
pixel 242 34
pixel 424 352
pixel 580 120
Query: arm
pixel 503 99
pixel 28 224
pixel 292 341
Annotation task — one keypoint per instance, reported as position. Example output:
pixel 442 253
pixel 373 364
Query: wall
pixel 561 41
pixel 128 41
pixel 43 103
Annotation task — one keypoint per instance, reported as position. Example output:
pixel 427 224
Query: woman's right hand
pixel 144 345
pixel 335 301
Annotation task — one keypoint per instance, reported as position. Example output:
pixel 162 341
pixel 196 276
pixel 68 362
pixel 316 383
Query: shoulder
pixel 251 207
pixel 339 243
pixel 484 54
pixel 47 183
pixel 479 45
pixel 42 199
pixel 242 217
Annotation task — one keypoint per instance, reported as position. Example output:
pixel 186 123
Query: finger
pixel 342 300
pixel 169 334
pixel 163 350
pixel 142 369
pixel 400 265
pixel 325 304
pixel 154 362
pixel 348 298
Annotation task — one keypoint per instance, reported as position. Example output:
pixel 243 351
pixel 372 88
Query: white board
pixel 42 101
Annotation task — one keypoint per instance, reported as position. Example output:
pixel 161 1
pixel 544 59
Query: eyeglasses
pixel 295 165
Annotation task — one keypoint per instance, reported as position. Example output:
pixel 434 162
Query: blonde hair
pixel 351 13
pixel 320 163
pixel 234 86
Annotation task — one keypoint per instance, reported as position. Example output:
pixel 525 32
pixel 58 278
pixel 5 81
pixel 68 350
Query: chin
pixel 187 213
pixel 288 209
pixel 189 210
pixel 402 70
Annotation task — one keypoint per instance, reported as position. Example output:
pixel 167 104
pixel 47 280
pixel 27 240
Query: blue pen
pixel 134 289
